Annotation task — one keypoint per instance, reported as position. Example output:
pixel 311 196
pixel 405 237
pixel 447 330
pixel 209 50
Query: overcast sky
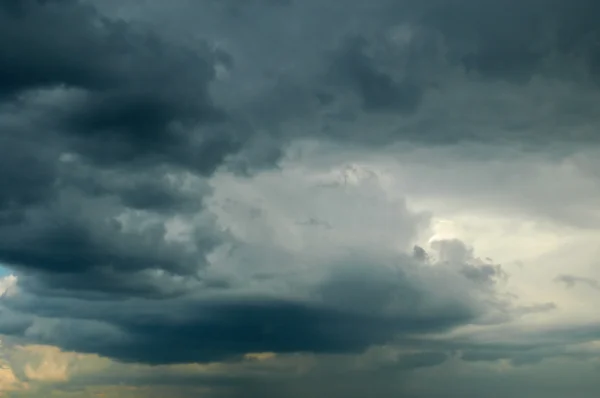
pixel 299 198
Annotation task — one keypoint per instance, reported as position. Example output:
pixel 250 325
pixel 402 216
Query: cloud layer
pixel 279 187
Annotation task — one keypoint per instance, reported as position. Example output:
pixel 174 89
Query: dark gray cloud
pixel 483 274
pixel 135 96
pixel 531 352
pixel 418 361
pixel 513 40
pixel 110 126
pixel 93 129
pixel 377 90
pixel 573 280
pixel 374 73
pixel 355 307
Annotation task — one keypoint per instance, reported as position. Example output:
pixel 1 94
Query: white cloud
pixel 8 285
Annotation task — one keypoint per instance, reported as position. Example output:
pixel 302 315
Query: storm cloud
pixel 186 183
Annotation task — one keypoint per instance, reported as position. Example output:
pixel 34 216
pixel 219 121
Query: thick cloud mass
pixel 144 205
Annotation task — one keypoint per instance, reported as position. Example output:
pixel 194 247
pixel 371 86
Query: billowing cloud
pixel 283 193
pixel 338 292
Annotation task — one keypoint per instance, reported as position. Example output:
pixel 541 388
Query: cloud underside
pixel 126 147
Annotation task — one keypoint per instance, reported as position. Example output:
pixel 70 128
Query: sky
pixel 299 198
